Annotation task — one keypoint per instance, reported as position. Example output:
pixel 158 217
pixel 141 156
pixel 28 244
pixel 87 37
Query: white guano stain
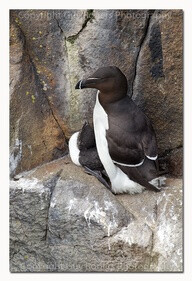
pixel 16 155
pixel 103 215
pixel 71 204
pixel 25 184
pixel 95 213
pixel 53 203
pixel 34 186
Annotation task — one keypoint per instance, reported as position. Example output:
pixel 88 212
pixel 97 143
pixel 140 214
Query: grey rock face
pixel 52 49
pixel 63 220
pixel 35 135
pixel 96 211
pixel 159 81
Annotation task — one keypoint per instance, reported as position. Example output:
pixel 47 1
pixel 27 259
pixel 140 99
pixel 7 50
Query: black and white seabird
pixel 125 138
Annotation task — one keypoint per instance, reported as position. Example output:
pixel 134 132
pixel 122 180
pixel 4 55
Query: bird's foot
pixel 99 176
pixel 158 182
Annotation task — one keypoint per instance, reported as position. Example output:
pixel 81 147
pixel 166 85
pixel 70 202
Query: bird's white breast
pixel 120 182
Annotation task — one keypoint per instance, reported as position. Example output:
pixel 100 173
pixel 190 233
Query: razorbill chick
pixel 82 149
pixel 83 152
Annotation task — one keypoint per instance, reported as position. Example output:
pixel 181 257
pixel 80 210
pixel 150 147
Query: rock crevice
pixel 143 38
pixel 88 18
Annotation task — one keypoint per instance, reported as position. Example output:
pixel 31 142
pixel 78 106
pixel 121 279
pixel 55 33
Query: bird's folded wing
pixel 130 144
pixel 149 143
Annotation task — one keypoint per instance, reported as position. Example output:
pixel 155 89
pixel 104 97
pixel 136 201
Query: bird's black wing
pixel 130 135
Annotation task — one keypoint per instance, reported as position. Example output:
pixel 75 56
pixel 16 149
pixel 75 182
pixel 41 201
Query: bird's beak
pixel 80 84
pixel 87 83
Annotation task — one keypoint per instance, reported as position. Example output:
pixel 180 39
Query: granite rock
pixel 64 220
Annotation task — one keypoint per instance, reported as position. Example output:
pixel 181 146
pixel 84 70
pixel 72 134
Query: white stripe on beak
pixel 80 83
pixel 92 78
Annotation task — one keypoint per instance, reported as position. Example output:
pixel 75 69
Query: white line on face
pixel 92 78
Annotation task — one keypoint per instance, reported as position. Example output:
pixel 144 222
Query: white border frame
pixel 4 129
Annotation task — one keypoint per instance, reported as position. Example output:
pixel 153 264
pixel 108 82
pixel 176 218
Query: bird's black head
pixel 107 80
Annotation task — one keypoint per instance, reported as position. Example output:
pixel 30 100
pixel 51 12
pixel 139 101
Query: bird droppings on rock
pixel 64 220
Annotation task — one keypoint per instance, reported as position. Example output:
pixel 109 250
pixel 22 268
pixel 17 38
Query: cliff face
pixel 50 50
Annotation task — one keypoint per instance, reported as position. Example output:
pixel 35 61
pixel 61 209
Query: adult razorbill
pixel 125 138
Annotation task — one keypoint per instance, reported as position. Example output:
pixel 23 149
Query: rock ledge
pixel 63 220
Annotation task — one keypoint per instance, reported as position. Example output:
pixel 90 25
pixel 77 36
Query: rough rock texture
pixel 63 220
pixel 35 134
pixel 51 50
pixel 159 81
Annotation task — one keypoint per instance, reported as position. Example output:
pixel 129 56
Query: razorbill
pixel 125 138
